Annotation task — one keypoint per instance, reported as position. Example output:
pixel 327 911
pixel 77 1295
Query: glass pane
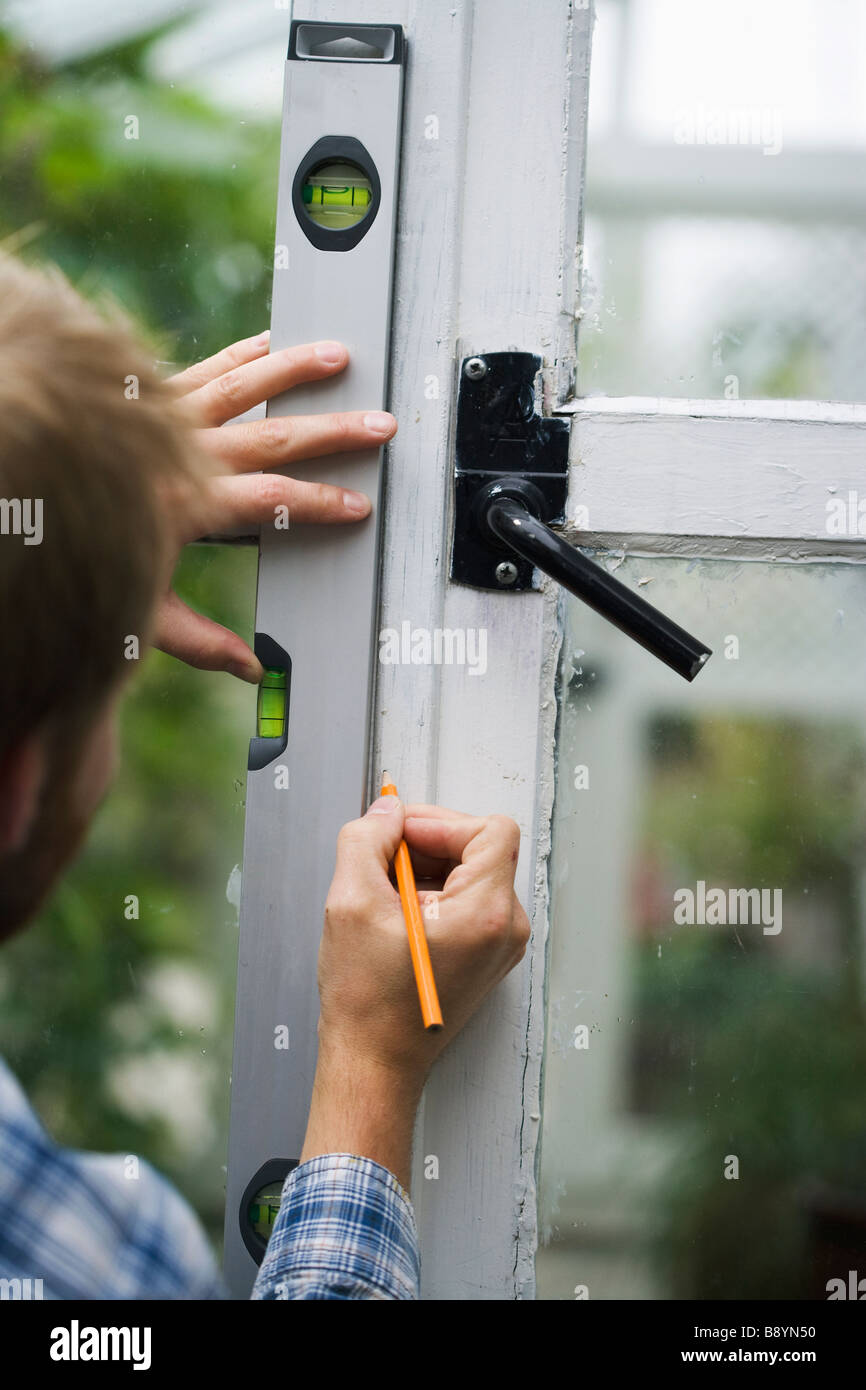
pixel 704 1125
pixel 726 215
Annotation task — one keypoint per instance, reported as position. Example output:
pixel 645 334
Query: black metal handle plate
pixel 511 481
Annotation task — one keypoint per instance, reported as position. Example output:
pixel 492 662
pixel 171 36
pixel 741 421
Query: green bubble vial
pixel 337 195
pixel 271 708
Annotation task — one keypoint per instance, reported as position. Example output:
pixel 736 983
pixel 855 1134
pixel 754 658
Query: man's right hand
pixel 476 928
pixel 374 1053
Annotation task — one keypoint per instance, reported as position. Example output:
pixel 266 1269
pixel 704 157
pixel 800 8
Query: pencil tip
pixel 384 778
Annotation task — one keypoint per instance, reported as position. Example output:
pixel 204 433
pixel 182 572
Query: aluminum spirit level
pixel 316 598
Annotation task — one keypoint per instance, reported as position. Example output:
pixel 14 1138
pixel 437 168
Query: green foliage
pixel 742 1048
pixel 177 224
pixel 785 803
pixel 772 1067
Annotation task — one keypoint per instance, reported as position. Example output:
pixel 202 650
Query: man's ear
pixel 22 773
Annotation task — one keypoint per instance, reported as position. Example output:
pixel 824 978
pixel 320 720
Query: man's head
pixel 89 453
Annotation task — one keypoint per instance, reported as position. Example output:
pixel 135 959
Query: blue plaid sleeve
pixel 345 1230
pixel 96 1226
pixel 80 1225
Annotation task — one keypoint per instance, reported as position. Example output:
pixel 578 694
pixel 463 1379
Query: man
pixel 104 472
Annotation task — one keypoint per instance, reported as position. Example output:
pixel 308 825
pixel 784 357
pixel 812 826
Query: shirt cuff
pixel 345 1230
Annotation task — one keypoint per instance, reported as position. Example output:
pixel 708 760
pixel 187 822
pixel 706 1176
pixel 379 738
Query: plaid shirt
pixel 108 1226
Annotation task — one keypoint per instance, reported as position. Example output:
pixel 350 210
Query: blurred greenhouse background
pixel 121 1029
pixel 724 256
pixel 709 1042
pixel 725 241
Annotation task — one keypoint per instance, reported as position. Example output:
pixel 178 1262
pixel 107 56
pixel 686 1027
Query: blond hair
pixel 89 448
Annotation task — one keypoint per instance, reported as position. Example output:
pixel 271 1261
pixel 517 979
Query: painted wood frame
pixel 755 479
pixel 488 233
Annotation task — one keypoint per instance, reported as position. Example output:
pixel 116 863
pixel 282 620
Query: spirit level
pixel 315 607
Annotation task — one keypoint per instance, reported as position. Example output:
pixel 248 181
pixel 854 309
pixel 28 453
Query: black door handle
pixel 510 519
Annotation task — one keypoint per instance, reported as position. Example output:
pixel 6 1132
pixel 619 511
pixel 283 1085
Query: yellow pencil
pixel 427 995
